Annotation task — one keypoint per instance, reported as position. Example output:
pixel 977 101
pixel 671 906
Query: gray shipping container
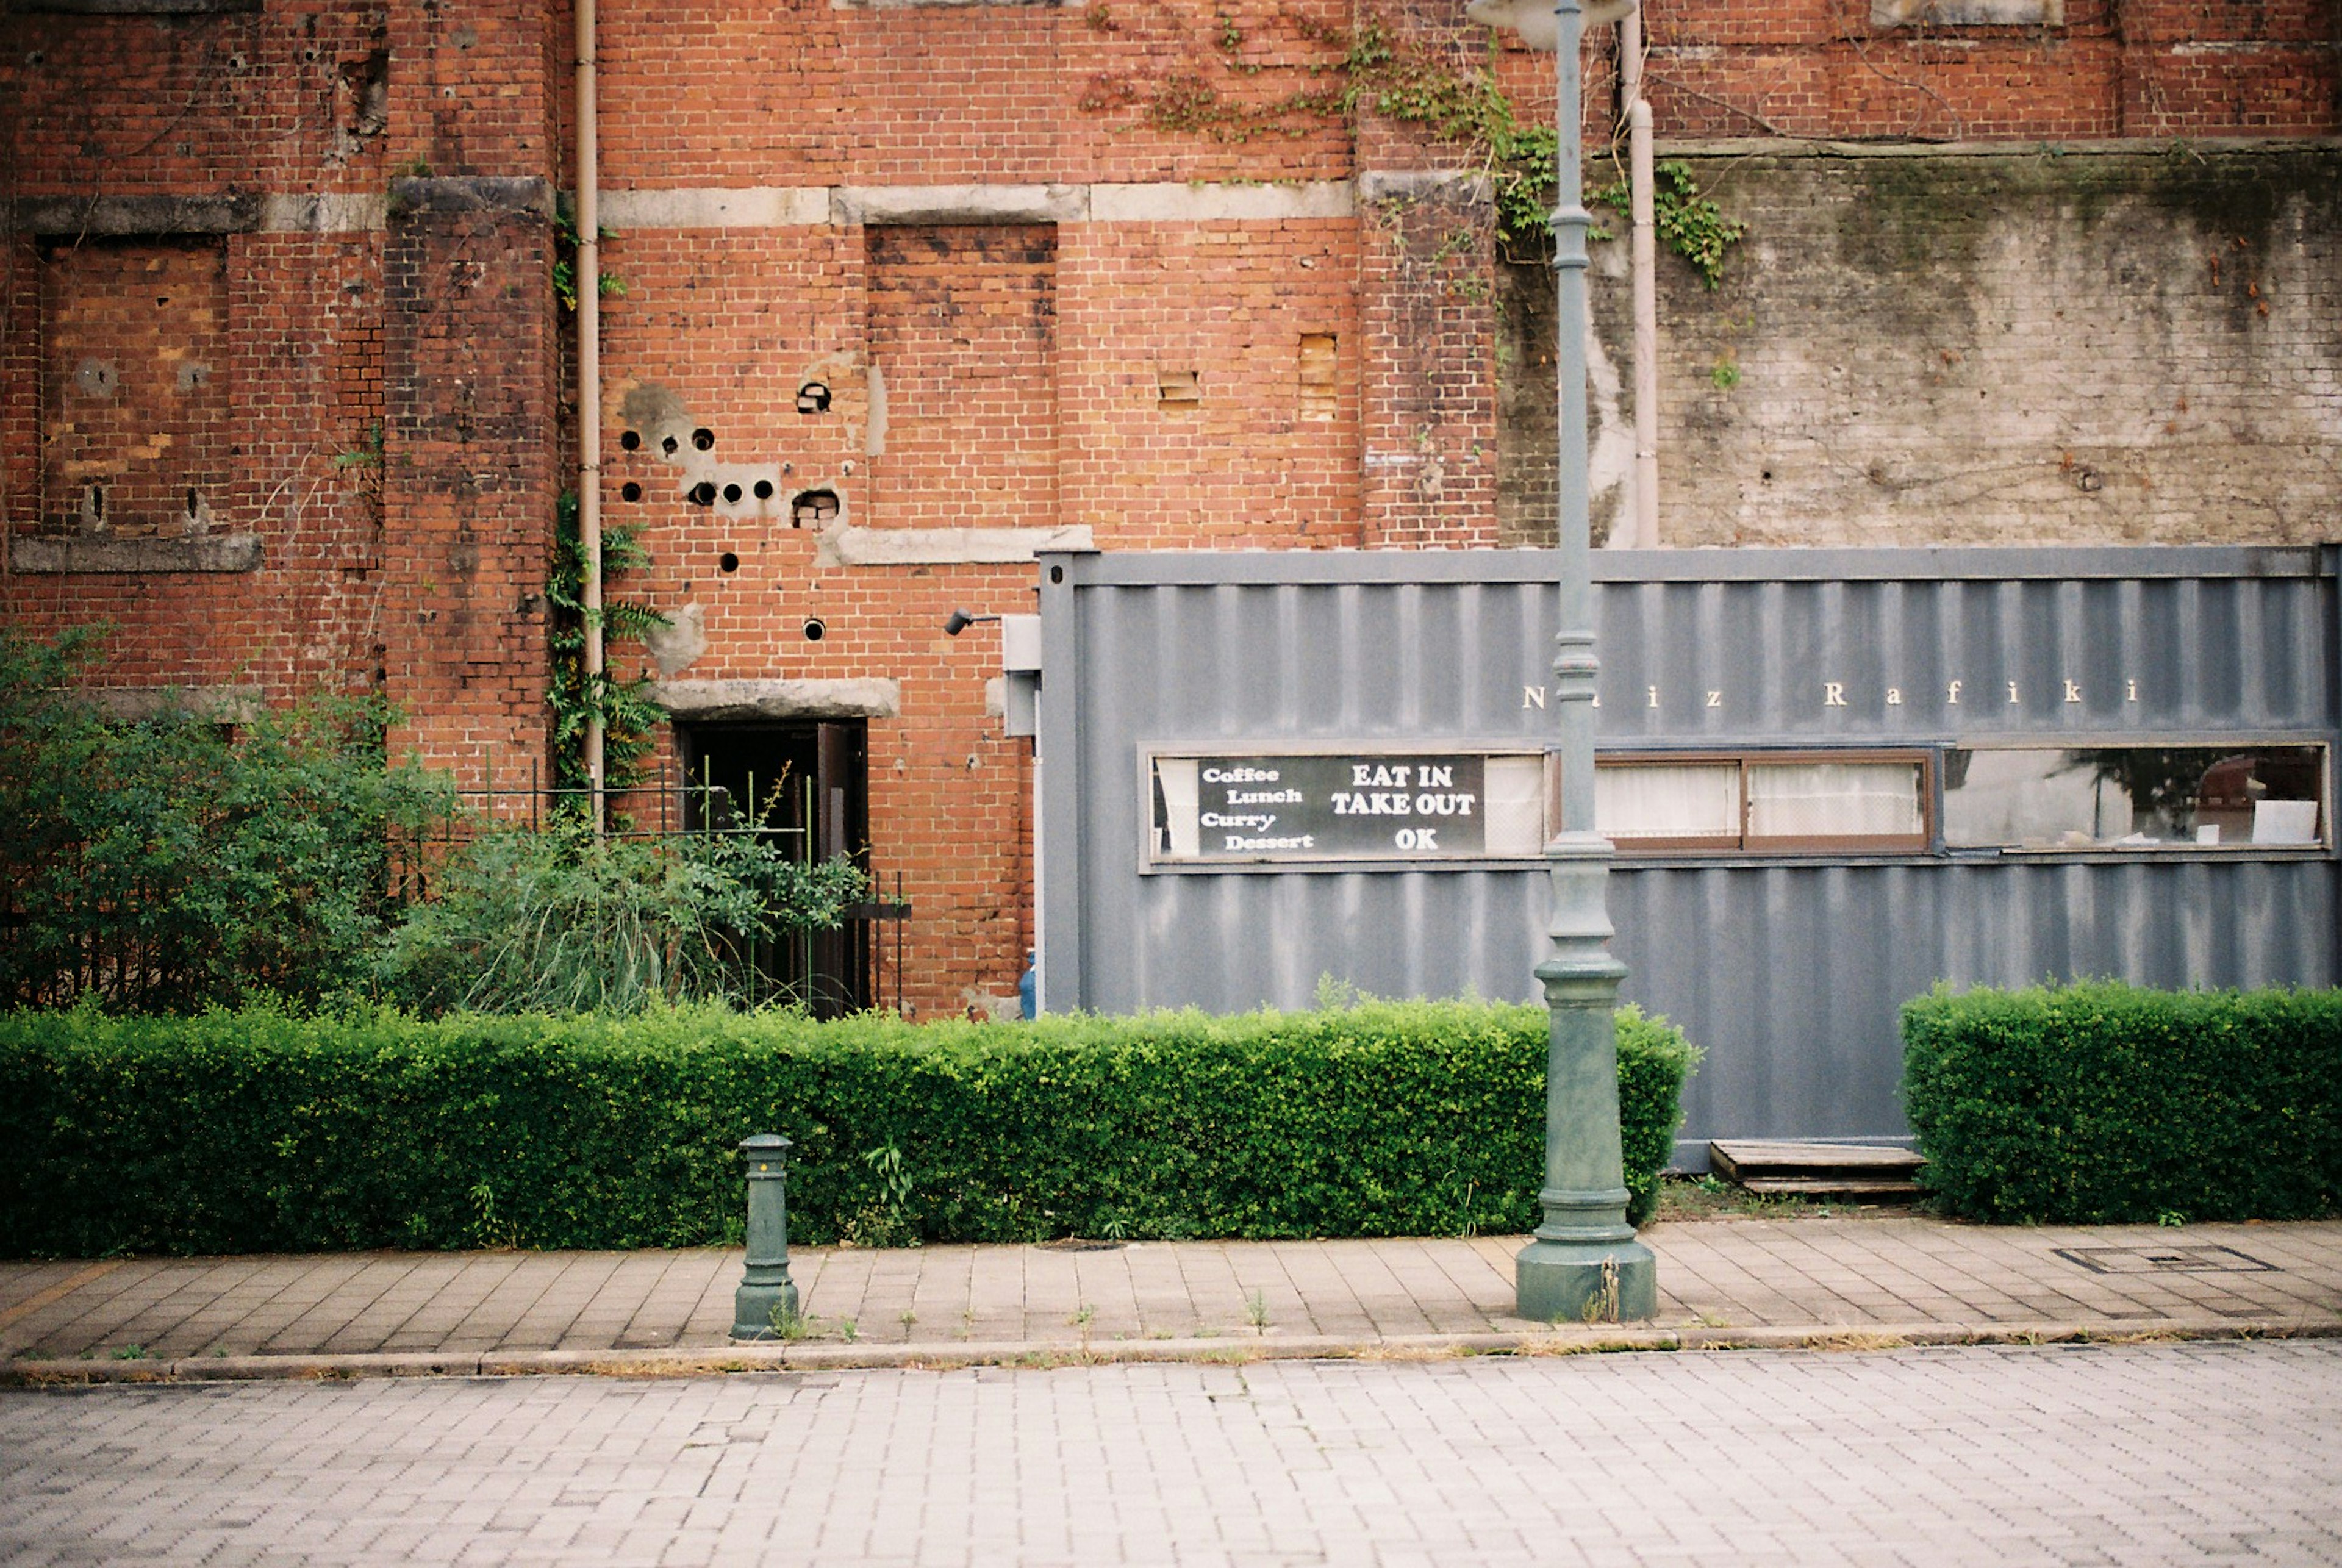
pixel 1787 967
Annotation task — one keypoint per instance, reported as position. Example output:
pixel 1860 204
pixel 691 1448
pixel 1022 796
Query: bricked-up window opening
pixel 806 787
pixel 812 397
pixel 962 325
pixel 1178 389
pixel 1318 396
pixel 134 414
pixel 814 509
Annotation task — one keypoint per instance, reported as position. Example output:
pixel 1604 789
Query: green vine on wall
pixel 565 263
pixel 1371 71
pixel 1694 227
pixel 629 718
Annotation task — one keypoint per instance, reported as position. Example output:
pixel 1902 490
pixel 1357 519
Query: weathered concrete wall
pixel 1960 346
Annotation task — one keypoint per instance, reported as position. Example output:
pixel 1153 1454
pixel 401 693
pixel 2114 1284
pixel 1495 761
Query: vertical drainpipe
pixel 588 279
pixel 1646 283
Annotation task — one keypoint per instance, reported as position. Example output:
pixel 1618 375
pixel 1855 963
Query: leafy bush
pixel 558 921
pixel 2102 1103
pixel 263 1130
pixel 162 864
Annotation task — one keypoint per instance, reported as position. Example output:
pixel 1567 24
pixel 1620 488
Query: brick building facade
pixel 910 290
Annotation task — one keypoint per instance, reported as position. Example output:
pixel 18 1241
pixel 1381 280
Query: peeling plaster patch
pixel 192 374
pixel 333 213
pixel 849 546
pixel 1610 454
pixel 220 705
pixel 867 697
pixel 680 642
pixel 873 443
pixel 96 378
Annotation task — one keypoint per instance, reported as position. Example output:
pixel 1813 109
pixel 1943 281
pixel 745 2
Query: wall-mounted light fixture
pixel 959 620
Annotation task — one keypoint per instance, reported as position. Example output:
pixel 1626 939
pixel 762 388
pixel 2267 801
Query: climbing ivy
pixel 629 718
pixel 1694 227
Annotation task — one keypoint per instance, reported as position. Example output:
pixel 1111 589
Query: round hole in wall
pixel 669 445
pixel 1056 573
pixel 731 494
pixel 630 491
pixel 631 440
pixel 816 631
pixel 812 397
pixel 703 494
pixel 703 438
pixel 728 561
pixel 764 489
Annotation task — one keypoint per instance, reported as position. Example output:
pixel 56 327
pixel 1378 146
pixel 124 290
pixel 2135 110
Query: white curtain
pixel 1686 799
pixel 1834 800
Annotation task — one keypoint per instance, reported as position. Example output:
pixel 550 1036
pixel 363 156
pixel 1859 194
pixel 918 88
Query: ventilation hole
pixel 814 509
pixel 630 491
pixel 98 503
pixel 631 440
pixel 731 494
pixel 812 397
pixel 668 446
pixel 816 631
pixel 728 561
pixel 703 494
pixel 195 502
pixel 1177 389
pixel 764 489
pixel 704 439
pixel 1767 473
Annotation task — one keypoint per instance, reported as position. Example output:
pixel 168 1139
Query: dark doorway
pixel 806 786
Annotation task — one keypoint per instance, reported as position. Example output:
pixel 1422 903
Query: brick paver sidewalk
pixel 1721 1282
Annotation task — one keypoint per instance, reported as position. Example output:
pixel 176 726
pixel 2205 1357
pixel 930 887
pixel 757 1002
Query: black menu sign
pixel 1336 806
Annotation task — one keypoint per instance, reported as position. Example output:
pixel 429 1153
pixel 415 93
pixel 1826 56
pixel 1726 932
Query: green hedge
pixel 257 1130
pixel 2102 1103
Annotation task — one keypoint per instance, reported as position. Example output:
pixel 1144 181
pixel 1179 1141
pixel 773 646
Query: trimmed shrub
pixel 259 1131
pixel 2101 1103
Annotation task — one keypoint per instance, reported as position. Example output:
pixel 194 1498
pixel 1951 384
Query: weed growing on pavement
pixel 907 1319
pixel 128 1353
pixel 1603 1305
pixel 1257 1310
pixel 790 1322
pixel 848 1329
pixel 1080 1316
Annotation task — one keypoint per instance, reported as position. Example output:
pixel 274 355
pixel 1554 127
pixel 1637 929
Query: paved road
pixel 2158 1453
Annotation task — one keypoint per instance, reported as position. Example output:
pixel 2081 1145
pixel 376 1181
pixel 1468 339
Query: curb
pixel 948 1357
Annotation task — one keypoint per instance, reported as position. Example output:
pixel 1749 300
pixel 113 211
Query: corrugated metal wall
pixel 1788 970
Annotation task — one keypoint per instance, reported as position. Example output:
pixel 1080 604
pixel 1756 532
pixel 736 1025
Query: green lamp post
pixel 1584 1264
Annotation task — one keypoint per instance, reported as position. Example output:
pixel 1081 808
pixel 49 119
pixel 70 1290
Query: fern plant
pixel 628 715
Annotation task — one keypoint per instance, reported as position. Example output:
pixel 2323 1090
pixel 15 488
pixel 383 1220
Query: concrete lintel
pixel 474 193
pixel 109 554
pixel 1968 13
pixel 64 216
pixel 961 204
pixel 220 705
pixel 750 207
pixel 2065 151
pixel 324 212
pixel 865 697
pixel 1166 202
pixel 135 8
pixel 851 547
pixel 1423 184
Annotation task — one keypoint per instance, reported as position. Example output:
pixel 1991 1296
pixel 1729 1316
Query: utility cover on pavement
pixel 2164 1260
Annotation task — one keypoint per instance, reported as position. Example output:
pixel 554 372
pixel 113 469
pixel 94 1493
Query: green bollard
pixel 767 1297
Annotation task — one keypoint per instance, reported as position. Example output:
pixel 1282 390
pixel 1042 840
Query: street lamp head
pixel 1534 21
pixel 959 620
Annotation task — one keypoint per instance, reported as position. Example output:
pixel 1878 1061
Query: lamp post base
pixel 758 1311
pixel 1586 1282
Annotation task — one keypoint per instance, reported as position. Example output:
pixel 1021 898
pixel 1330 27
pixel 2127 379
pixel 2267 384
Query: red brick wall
pixel 1025 363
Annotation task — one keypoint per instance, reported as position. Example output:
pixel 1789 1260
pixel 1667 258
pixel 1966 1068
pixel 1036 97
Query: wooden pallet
pixel 1818 1169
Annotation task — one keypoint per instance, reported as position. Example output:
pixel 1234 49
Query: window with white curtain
pixel 1874 802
